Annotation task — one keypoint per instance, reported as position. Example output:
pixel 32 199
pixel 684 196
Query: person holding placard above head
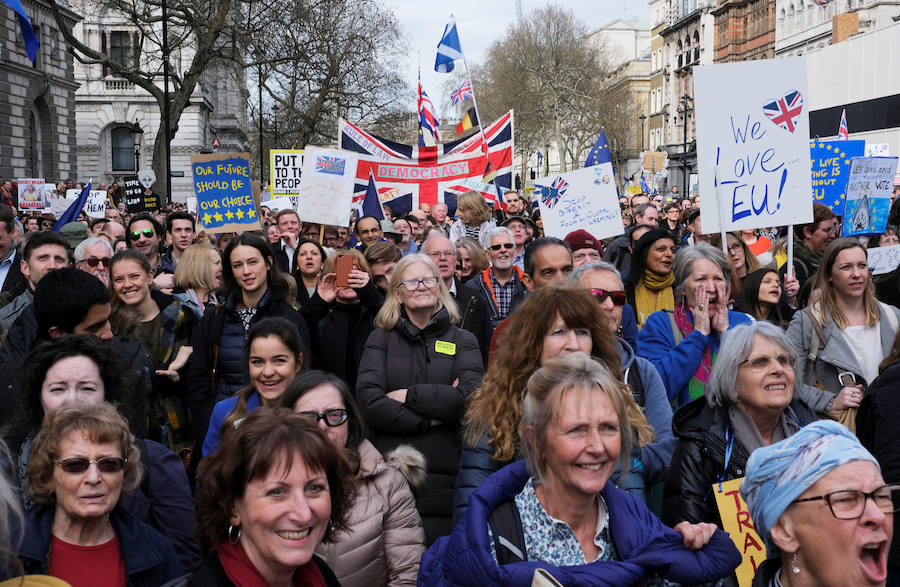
pixel 843 337
pixel 810 241
pixel 474 219
pixel 683 344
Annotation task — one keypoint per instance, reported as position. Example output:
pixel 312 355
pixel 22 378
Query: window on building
pixel 122 149
pixel 122 47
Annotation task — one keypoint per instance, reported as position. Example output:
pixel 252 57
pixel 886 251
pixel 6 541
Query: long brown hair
pixel 496 407
pixel 828 301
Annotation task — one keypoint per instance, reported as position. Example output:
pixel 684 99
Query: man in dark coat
pixel 10 272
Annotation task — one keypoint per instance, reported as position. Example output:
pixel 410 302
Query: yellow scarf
pixel 644 301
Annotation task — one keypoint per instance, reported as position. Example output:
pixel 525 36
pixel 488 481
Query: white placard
pixel 877 150
pixel 286 169
pixel 95 207
pixel 883 259
pixel 753 144
pixel 31 194
pixel 57 205
pixel 278 204
pixel 326 187
pixel 868 195
pixel 585 198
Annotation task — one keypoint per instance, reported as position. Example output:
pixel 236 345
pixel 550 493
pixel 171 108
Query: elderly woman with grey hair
pixel 683 343
pixel 750 402
pixel 820 503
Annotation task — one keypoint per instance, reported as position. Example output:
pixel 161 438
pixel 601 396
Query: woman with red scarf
pixel 274 490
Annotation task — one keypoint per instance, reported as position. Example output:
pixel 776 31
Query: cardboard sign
pixel 585 198
pixel 327 184
pixel 224 192
pixel 95 207
pixel 134 195
pixel 868 200
pixel 31 194
pixel 286 167
pixel 753 144
pixel 654 161
pixel 830 161
pixel 883 259
pixel 736 521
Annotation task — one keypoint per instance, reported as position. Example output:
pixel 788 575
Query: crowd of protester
pixel 443 397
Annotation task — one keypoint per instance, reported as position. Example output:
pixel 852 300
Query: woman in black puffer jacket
pixel 416 373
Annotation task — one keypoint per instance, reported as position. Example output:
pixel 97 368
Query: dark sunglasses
pixel 147 232
pixel 618 297
pixel 503 246
pixel 333 417
pixel 94 261
pixel 77 465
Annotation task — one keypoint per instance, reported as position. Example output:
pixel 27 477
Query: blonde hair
pixel 389 314
pixel 193 268
pixel 474 202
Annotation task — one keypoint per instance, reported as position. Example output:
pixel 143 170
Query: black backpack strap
pixel 509 538
pixel 633 379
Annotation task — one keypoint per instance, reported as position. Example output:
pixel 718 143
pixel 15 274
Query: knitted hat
pixel 582 239
pixel 73 233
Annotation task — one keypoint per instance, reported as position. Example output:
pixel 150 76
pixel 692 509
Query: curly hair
pixel 101 423
pixel 263 442
pixel 495 409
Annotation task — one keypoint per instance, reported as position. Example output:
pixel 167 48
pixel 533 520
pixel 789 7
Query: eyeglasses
pixel 850 504
pixel 618 297
pixel 763 362
pixel 503 246
pixel 77 465
pixel 94 261
pixel 333 417
pixel 413 284
pixel 147 232
pixel 442 254
pixel 735 248
pixel 47 224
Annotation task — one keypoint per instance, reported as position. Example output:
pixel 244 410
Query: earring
pixel 234 534
pixel 795 564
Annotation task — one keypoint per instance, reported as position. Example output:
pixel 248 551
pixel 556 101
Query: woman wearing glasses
pixel 82 461
pixel 750 402
pixel 383 539
pixel 416 373
pixel 827 518
pixel 649 283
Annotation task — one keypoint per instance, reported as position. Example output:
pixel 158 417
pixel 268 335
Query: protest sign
pixel 868 201
pixel 134 195
pixel 147 177
pixel 224 194
pixel 95 207
pixel 585 198
pixel 286 167
pixel 278 204
pixel 59 203
pixel 830 161
pixel 327 184
pixel 753 146
pixel 877 150
pixel 31 194
pixel 736 521
pixel 883 259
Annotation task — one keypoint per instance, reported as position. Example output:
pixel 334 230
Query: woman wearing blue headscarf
pixel 820 503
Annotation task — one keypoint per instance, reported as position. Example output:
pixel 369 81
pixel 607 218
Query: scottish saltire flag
pixel 600 152
pixel 428 120
pixel 785 110
pixel 414 174
pixel 463 92
pixel 74 209
pixel 843 132
pixel 448 49
pixel 31 41
pixel 551 194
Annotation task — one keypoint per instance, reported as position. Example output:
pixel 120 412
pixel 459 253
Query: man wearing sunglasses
pixel 500 285
pixel 43 252
pixel 92 256
pixel 647 387
pixel 144 234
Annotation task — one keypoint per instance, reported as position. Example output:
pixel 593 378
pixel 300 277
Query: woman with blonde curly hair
pixel 474 219
pixel 535 335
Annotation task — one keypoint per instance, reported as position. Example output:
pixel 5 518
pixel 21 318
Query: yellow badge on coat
pixel 444 347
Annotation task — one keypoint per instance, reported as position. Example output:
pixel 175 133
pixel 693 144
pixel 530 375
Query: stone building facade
pixel 745 30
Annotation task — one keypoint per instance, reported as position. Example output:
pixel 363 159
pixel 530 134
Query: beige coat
pixel 385 539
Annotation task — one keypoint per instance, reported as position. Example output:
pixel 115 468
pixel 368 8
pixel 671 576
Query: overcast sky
pixel 480 23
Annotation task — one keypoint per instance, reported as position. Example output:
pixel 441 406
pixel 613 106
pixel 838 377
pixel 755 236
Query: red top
pixel 761 245
pixel 242 573
pixel 87 566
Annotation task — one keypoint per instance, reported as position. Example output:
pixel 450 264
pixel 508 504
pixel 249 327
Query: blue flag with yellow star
pixel 600 152
pixel 224 193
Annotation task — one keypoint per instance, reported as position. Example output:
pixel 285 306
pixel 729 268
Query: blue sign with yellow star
pixel 830 167
pixel 224 192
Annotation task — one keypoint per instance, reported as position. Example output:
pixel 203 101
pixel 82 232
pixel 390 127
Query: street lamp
pixel 137 132
pixel 166 106
pixel 259 56
pixel 275 114
pixel 643 117
pixel 685 100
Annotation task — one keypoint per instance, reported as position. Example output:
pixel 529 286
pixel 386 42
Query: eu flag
pixel 31 41
pixel 74 209
pixel 600 152
pixel 372 203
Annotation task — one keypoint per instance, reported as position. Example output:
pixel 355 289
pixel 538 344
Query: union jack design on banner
pixel 463 92
pixel 330 165
pixel 785 110
pixel 843 131
pixel 432 174
pixel 552 194
pixel 428 120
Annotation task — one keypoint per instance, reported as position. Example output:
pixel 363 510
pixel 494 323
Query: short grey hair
pixel 575 276
pixel 721 389
pixel 434 235
pixel 684 265
pixel 90 242
pixel 501 230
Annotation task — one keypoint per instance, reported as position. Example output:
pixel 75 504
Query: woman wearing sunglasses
pixel 535 335
pixel 383 539
pixel 416 373
pixel 82 462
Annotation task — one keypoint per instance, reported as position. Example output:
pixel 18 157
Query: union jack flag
pixel 330 165
pixel 428 120
pixel 463 92
pixel 551 194
pixel 785 110
pixel 843 131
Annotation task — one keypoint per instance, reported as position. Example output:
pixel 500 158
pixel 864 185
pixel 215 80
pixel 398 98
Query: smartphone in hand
pixel 343 268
